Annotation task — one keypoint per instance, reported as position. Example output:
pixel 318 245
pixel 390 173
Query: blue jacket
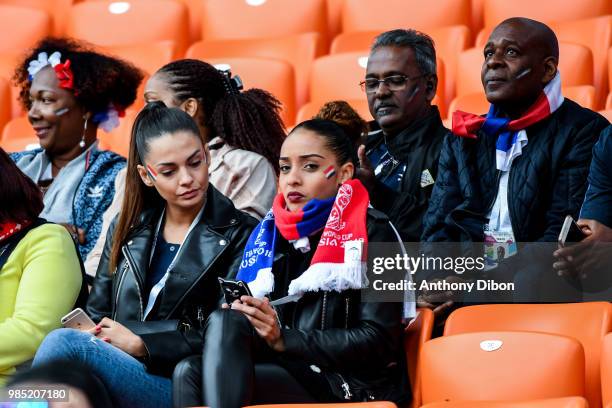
pixel 598 200
pixel 94 194
pixel 546 183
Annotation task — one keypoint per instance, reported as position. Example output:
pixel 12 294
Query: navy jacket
pixel 598 200
pixel 546 183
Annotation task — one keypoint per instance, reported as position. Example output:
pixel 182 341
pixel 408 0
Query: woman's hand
pixel 263 318
pixel 119 336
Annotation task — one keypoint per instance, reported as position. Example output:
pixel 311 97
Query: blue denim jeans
pixel 125 378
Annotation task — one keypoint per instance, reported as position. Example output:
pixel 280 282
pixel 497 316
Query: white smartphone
pixel 78 319
pixel 570 232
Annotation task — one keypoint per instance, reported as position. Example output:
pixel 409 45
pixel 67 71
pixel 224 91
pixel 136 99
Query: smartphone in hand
pixel 233 290
pixel 78 319
pixel 570 232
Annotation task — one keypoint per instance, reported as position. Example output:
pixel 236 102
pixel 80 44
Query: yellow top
pixel 39 284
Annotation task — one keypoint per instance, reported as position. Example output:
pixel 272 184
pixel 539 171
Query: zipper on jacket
pixel 200 315
pixel 497 179
pixel 346 310
pixel 123 271
pixel 127 258
pixel 346 388
pixel 324 311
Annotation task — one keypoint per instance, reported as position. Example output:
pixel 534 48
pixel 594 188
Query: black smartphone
pixel 570 232
pixel 233 290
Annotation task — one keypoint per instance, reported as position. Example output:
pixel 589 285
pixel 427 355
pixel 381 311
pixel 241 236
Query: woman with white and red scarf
pixel 40 275
pixel 305 335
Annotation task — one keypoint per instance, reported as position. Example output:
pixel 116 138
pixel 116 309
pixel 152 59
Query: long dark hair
pixel 152 122
pixel 247 120
pixel 21 198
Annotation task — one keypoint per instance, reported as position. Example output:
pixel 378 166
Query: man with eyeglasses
pixel 399 161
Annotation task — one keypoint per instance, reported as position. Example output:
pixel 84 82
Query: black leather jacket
pixel 353 342
pixel 213 249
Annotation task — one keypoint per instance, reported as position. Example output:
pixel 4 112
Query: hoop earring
pixel 82 142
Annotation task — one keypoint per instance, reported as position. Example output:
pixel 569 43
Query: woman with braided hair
pixel 243 130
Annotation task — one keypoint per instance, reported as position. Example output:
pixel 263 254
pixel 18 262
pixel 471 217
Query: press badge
pixel 498 245
pixel 352 252
pixel 426 178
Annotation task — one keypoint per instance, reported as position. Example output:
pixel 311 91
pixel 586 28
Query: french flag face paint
pixel 329 172
pixel 61 111
pixel 152 173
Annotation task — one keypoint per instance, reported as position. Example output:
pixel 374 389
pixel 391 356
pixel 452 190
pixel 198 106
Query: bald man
pixel 514 174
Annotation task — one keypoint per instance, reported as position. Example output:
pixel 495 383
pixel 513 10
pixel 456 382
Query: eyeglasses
pixel 394 83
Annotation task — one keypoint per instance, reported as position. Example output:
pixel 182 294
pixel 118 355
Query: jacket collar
pixel 418 133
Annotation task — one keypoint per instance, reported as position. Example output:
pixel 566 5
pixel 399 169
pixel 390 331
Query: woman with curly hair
pixel 69 91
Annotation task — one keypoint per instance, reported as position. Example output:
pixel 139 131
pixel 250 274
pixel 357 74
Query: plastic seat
pixel 274 76
pixel 606 371
pixel 583 95
pixel 594 33
pixel 587 322
pixel 195 19
pixel 571 56
pixel 501 366
pixel 310 109
pixel 375 404
pixel 373 15
pixel 118 140
pixel 606 113
pixel 17 128
pixel 569 402
pixel 19 145
pixel 56 9
pixel 609 101
pixel 299 50
pixel 128 23
pixel 416 334
pixel 5 102
pixel 22 27
pixel 223 19
pixel 337 77
pixel 495 11
pixel 334 17
pixel 449 42
pixel 8 64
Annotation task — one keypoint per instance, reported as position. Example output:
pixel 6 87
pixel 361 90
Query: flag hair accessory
pixel 63 71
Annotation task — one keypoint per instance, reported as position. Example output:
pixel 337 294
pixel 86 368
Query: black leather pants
pixel 236 369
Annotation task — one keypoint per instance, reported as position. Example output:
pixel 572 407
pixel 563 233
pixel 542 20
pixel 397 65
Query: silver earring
pixel 82 142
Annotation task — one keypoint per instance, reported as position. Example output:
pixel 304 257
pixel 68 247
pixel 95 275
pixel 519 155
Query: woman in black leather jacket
pixel 324 343
pixel 157 280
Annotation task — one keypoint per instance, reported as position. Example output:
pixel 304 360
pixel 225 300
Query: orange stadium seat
pixel 8 64
pixel 127 23
pixel 17 135
pixel 594 33
pixel 118 140
pixel 606 371
pixel 501 366
pixel 373 15
pixel 337 77
pixel 547 11
pixel 609 101
pixel 5 102
pixel 571 56
pixel 22 27
pixel 56 9
pixel 587 322
pixel 310 109
pixel 299 50
pixel 477 15
pixel 583 95
pixel 274 76
pixel 261 18
pixel 449 42
pixel 195 19
pixel 375 404
pixel 606 113
pixel 334 17
pixel 417 333
pixel 568 402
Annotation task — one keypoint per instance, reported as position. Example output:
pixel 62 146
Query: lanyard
pixel 155 291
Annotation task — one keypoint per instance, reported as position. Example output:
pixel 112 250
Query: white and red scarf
pixel 511 134
pixel 342 219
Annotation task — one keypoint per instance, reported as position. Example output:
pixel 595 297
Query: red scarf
pixel 10 228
